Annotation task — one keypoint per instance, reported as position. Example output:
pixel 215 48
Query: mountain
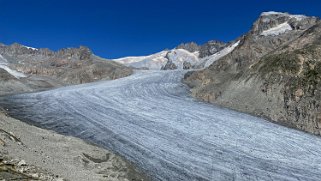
pixel 34 69
pixel 158 60
pixel 190 53
pixel 191 47
pixel 273 72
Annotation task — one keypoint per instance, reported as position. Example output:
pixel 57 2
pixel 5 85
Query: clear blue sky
pixel 116 28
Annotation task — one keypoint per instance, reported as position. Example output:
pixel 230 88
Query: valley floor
pixel 150 119
pixel 31 153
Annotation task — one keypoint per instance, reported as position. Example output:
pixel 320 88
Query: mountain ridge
pixel 256 77
pixel 190 53
pixel 38 69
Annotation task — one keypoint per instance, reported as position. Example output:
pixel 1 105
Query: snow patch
pixel 4 65
pixel 268 13
pixel 279 29
pixel 12 72
pixel 30 48
pixel 211 59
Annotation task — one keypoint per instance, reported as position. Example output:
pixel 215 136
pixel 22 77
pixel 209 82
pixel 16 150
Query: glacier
pixel 150 119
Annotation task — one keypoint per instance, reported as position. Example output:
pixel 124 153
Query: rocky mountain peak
pixel 17 49
pixel 211 47
pixel 274 13
pixel 81 53
pixel 275 23
pixel 207 49
pixel 191 46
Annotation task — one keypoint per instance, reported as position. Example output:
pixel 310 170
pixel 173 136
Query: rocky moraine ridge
pixel 274 72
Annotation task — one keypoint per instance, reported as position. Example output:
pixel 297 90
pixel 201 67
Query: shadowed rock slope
pixel 273 73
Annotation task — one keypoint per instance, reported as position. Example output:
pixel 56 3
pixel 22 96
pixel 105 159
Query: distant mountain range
pixel 24 69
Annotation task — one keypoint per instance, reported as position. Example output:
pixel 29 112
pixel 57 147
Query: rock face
pixel 187 65
pixel 273 72
pixel 191 47
pixel 169 66
pixel 207 49
pixel 211 48
pixel 64 67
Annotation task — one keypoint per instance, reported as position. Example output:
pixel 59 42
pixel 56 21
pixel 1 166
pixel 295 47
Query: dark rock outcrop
pixel 169 66
pixel 211 48
pixel 187 65
pixel 207 49
pixel 191 47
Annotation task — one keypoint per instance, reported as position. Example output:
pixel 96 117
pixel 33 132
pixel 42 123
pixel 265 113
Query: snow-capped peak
pixel 297 17
pixel 134 59
pixel 270 13
pixel 158 60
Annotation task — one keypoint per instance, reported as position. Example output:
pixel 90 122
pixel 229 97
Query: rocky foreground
pixel 30 153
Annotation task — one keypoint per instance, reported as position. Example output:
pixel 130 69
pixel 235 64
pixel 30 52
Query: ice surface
pixel 150 119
